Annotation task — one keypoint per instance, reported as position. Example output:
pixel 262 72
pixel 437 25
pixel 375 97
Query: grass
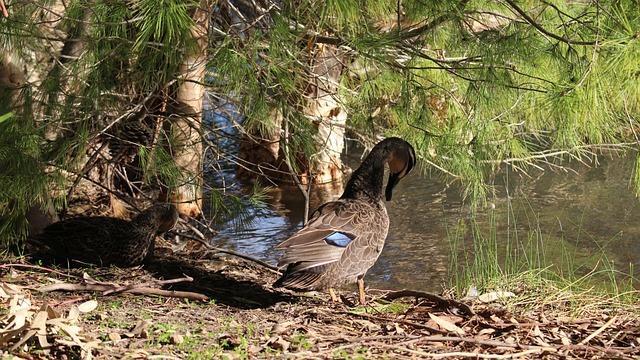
pixel 381 307
pixel 547 269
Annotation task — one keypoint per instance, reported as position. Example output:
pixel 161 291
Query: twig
pixel 171 293
pixel 35 267
pixel 597 332
pixel 4 9
pixel 533 23
pixel 230 252
pixel 401 321
pixel 120 289
pixel 137 290
pixel 287 157
pixel 440 301
pixel 462 354
pixel 492 343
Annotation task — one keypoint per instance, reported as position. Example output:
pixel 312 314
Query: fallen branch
pixel 401 321
pixel 438 300
pixel 462 354
pixel 129 287
pixel 170 293
pixel 597 332
pixel 274 269
pixel 494 343
pixel 138 289
pixel 35 267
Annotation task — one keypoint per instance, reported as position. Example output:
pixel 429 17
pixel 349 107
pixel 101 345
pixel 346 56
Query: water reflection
pixel 586 211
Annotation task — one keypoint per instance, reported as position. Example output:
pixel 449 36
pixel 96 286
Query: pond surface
pixel 581 216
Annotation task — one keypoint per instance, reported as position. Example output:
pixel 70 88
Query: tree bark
pixel 186 128
pixel 325 107
pixel 263 154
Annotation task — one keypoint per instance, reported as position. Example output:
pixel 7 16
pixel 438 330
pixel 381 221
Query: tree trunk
pixel 186 128
pixel 262 153
pixel 325 107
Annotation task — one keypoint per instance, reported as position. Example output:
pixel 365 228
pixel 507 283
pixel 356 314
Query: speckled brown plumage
pixel 344 238
pixel 101 240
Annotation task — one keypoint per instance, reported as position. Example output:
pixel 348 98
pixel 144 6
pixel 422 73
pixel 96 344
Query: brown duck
pixel 344 238
pixel 103 241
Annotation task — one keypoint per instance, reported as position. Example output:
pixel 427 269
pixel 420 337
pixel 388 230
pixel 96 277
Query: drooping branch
pixel 540 28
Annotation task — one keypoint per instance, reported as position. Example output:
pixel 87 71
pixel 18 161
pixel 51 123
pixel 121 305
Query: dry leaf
pixel 564 338
pixel 368 325
pixel 53 314
pixel 74 314
pixel 115 337
pixel 446 325
pixel 71 330
pixel 88 306
pixel 537 332
pixel 8 290
pixel 139 330
pixel 278 343
pixel 39 324
pixel 281 327
pixel 19 313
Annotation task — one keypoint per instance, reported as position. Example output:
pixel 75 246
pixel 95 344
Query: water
pixel 587 212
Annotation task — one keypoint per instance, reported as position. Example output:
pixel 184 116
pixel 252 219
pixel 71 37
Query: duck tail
pixel 298 280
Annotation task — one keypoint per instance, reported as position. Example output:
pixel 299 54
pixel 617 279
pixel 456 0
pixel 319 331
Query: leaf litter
pixel 246 318
pixel 27 324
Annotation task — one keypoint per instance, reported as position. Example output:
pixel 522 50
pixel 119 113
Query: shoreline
pixel 245 318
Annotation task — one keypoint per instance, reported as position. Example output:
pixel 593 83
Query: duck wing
pixel 87 239
pixel 331 229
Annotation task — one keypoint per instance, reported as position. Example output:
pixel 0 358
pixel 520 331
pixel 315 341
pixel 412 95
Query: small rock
pixel 115 337
pixel 494 296
pixel 176 339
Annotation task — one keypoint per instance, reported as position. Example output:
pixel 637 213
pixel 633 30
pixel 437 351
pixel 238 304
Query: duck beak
pixel 394 179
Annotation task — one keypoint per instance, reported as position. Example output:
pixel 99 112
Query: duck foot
pixel 361 292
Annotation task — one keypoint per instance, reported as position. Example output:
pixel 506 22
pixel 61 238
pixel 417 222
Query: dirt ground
pixel 119 313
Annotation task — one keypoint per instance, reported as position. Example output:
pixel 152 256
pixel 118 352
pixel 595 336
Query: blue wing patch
pixel 339 239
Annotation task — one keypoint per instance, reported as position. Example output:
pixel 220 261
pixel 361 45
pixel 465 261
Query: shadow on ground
pixel 238 284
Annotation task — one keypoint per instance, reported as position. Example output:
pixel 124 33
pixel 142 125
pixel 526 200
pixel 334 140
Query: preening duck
pixel 344 238
pixel 102 240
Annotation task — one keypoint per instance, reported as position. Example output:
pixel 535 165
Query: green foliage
pixel 22 180
pixel 113 55
pixel 474 85
pixel 163 37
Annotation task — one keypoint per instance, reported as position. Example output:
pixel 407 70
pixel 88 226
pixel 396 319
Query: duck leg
pixel 334 298
pixel 361 293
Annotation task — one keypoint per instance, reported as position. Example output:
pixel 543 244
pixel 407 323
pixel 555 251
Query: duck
pixel 343 239
pixel 103 240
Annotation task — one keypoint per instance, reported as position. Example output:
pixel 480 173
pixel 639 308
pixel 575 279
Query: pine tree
pixel 474 85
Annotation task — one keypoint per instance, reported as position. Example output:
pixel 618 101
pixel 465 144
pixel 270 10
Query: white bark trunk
pixel 188 156
pixel 325 107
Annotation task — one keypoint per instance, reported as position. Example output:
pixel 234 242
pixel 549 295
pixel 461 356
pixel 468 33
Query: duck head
pixel 401 159
pixel 162 217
